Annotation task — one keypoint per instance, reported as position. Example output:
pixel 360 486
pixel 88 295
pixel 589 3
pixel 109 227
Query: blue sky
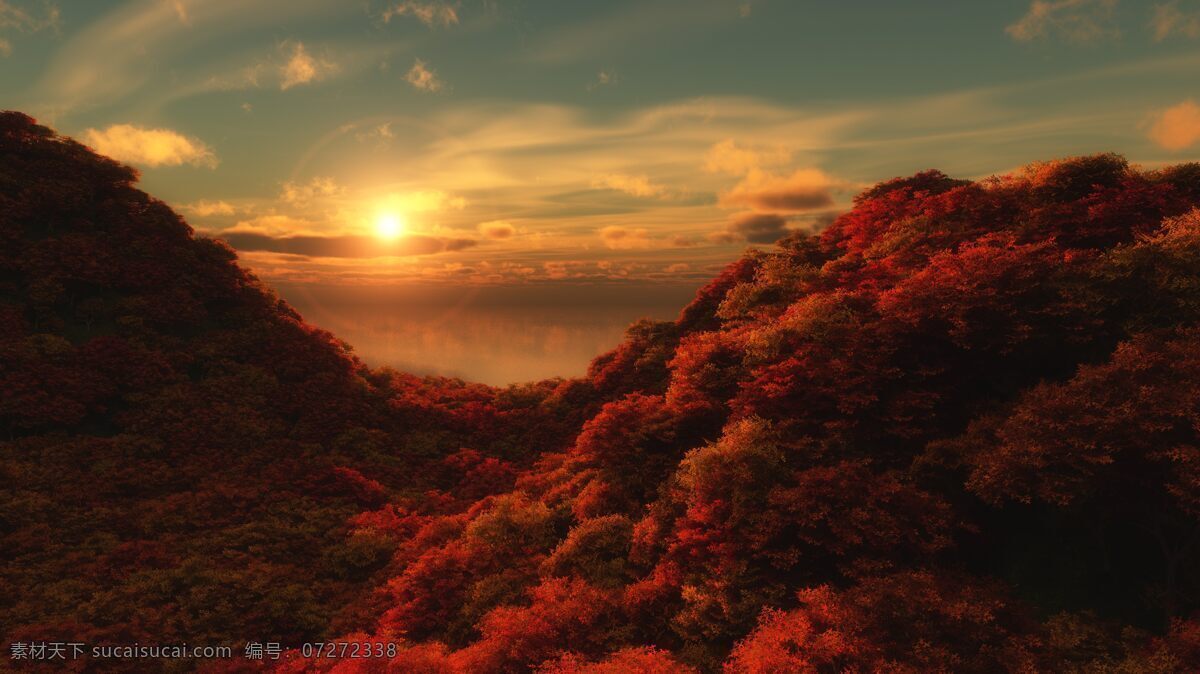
pixel 517 142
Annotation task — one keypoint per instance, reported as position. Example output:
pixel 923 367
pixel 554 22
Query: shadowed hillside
pixel 957 430
pixel 181 452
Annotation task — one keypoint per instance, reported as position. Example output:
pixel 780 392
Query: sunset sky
pixel 517 141
pixel 521 144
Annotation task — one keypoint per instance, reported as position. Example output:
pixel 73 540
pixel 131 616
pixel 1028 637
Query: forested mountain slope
pixel 957 430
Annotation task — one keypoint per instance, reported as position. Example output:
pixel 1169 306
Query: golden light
pixel 389 226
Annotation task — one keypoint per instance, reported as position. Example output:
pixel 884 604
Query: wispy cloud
pixel 304 193
pixel 149 147
pixel 635 185
pixel 424 201
pixel 378 132
pixel 17 17
pixel 428 13
pixel 638 22
pixel 540 165
pixel 579 179
pixel 1073 20
pixel 421 77
pixel 1169 20
pixel 493 146
pixel 14 17
pixel 205 208
pixel 181 11
pixel 1177 127
pixel 276 225
pixel 290 64
pixel 105 60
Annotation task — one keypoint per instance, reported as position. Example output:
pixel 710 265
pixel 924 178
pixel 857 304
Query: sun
pixel 389 225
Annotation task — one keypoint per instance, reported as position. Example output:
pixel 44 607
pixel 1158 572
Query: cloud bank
pixel 348 246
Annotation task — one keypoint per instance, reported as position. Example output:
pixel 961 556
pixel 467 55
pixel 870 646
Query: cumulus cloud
pixel 1074 20
pixel 205 208
pixel 346 246
pixel 636 185
pixel 421 77
pixel 623 237
pixel 428 13
pixel 727 157
pixel 803 190
pixel 1169 20
pixel 1178 127
pixel 302 67
pixel 759 227
pixel 497 229
pixel 149 147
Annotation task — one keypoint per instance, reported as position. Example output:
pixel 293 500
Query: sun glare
pixel 389 226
